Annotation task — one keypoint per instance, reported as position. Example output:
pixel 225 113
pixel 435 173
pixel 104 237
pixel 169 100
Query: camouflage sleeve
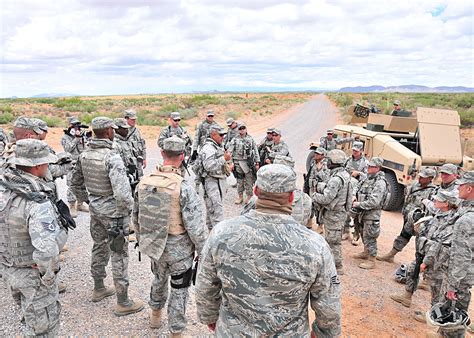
pixel 59 170
pixel 77 182
pixel 375 197
pixel 192 213
pixel 163 136
pixel 230 145
pixel 197 136
pixel 431 249
pixel 325 298
pixel 142 143
pixel 255 152
pixel 46 236
pixel 70 143
pixel 211 164
pixel 329 193
pixel 461 252
pixel 120 184
pixel 344 140
pixel 208 287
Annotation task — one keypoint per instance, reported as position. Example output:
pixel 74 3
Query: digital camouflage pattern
pixel 139 147
pixel 332 144
pixel 74 146
pixel 279 149
pixel 276 178
pixel 249 288
pixel 178 132
pixel 231 134
pixel 202 133
pixel 264 147
pixel 318 173
pixel 124 148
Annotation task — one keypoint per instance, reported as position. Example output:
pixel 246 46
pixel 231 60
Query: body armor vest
pixel 96 177
pixel 16 248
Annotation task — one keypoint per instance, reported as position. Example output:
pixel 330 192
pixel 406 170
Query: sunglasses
pixel 242 128
pixel 176 120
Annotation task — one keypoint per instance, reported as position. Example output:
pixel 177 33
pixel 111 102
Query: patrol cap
pixel 174 144
pixel 270 130
pixel 330 131
pixel 102 122
pixel 427 172
pixel 276 131
pixel 446 196
pixel 336 156
pixel 241 124
pixel 40 124
pixel 376 162
pixel 276 178
pixel 31 152
pixel 24 122
pixel 210 113
pixel 359 146
pixel 448 168
pixel 397 103
pixel 217 128
pixel 285 160
pixel 468 178
pixel 175 115
pixel 321 151
pixel 229 121
pixel 73 120
pixel 121 123
pixel 130 114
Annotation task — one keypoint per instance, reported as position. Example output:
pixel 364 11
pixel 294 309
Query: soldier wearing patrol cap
pixel 412 210
pixel 370 195
pixel 266 253
pixel 125 150
pixel 169 232
pixel 31 237
pixel 100 177
pixel 265 146
pixel 279 146
pixel 328 142
pixel 136 140
pixel 449 182
pixel 232 131
pixel 318 171
pixel 202 133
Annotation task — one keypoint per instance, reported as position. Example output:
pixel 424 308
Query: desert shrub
pixel 235 115
pixel 6 117
pixel 53 121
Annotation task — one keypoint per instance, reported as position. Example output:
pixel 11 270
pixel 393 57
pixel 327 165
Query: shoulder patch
pixel 335 280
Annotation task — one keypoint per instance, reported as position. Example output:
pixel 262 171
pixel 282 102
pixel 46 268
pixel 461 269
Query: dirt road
pixel 367 309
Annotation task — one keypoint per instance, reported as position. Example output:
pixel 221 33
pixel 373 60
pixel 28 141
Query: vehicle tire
pixel 309 159
pixel 397 193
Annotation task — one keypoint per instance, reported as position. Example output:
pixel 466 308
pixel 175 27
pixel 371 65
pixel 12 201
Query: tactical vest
pixel 160 211
pixel 16 248
pixel 96 177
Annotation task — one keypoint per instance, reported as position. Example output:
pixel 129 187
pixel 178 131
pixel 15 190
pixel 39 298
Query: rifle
pixel 185 165
pixel 263 151
pixel 251 162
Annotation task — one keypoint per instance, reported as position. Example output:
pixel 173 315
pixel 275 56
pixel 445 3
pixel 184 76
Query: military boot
pixel 419 316
pixel 363 255
pixel 155 319
pixel 73 209
pixel 388 257
pixel 424 285
pixel 404 299
pixel 100 291
pixel 125 306
pixel 369 264
pixel 82 207
pixel 239 199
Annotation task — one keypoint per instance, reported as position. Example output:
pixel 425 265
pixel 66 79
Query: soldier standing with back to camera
pixel 136 140
pixel 370 195
pixel 169 232
pixel 101 178
pixel 31 237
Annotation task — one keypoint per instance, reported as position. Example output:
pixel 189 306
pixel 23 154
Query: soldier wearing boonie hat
pixel 27 123
pixel 31 153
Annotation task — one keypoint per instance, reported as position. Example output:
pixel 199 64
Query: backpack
pixel 348 204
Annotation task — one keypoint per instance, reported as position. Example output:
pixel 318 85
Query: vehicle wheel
pixel 397 193
pixel 309 159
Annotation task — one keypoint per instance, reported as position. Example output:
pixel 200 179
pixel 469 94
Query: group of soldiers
pixel 254 274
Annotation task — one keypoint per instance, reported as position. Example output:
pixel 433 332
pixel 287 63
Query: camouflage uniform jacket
pixel 370 192
pixel 125 150
pixel 332 144
pixel 279 149
pixel 451 187
pixel 318 173
pixel 415 195
pixel 359 165
pixel 3 140
pixel 334 195
pixel 73 145
pixel 257 273
pixel 115 205
pixel 243 147
pixel 264 148
pixel 231 133
pixel 202 133
pixel 138 143
pixel 461 255
pixel 179 132
pixel 212 157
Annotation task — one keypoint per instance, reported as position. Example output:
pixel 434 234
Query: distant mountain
pixel 53 95
pixel 407 89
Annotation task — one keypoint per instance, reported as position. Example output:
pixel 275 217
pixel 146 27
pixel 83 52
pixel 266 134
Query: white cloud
pixel 127 46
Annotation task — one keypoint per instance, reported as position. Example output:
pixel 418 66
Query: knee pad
pixel 186 279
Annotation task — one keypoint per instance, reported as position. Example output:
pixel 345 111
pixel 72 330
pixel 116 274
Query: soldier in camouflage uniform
pixel 279 147
pixel 169 233
pixel 370 195
pixel 31 237
pixel 100 177
pixel 125 150
pixel 459 275
pixel 232 131
pixel 449 182
pixel 416 193
pixel 3 140
pixel 328 142
pixel 259 283
pixel 356 166
pixel 265 146
pixel 214 162
pixel 318 172
pixel 332 200
pixel 74 142
pixel 301 205
pixel 136 140
pixel 246 162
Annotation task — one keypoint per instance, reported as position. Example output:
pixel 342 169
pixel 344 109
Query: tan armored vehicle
pixel 429 138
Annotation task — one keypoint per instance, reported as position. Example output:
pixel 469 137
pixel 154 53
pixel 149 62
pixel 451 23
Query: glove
pixel 194 155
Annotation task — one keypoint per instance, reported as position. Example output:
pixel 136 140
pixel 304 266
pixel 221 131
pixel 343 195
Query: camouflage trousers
pixel 412 283
pixel 71 198
pixel 162 270
pixel 405 235
pixel 214 190
pixel 245 181
pixel 39 303
pixel 370 232
pixel 101 253
pixel 333 226
pixel 463 294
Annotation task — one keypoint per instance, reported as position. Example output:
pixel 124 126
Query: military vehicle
pixel 428 138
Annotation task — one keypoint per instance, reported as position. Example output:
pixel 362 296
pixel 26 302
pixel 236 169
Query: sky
pixel 105 47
